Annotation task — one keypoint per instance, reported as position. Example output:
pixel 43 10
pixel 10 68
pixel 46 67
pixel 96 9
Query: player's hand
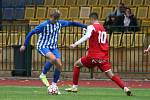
pixel 22 48
pixel 72 46
pixel 146 51
pixel 84 31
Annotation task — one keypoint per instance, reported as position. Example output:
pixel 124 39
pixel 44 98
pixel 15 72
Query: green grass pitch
pixel 85 93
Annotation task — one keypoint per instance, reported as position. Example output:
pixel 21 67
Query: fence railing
pixel 126 49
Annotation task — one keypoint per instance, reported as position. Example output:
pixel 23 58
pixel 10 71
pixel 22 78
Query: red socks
pixel 118 81
pixel 76 72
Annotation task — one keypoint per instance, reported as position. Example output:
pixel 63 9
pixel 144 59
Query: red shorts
pixel 90 63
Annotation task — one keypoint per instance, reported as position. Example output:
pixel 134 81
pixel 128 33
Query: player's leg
pixel 76 73
pixel 54 57
pixel 84 61
pixel 58 66
pixel 118 81
pixel 46 67
pixel 106 67
pixel 57 73
pixel 56 76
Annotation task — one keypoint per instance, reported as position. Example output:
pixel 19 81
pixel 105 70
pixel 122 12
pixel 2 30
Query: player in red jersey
pixel 98 54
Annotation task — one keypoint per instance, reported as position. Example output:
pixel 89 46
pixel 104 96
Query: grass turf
pixel 85 93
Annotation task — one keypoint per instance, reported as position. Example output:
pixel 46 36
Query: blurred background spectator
pixel 110 24
pixel 110 21
pixel 127 21
pixel 119 11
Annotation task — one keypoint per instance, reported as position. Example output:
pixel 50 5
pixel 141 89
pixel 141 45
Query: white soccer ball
pixel 53 90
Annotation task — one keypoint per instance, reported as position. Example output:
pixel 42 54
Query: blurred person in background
pixel 110 21
pixel 127 21
pixel 110 24
pixel 120 10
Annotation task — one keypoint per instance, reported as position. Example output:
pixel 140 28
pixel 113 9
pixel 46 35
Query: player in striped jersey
pixel 48 32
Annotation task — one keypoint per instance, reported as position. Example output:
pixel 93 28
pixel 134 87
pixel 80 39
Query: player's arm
pixel 85 37
pixel 65 23
pixel 38 29
pixel 147 50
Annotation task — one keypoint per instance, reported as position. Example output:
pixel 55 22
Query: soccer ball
pixel 53 90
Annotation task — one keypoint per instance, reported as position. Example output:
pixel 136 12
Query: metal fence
pixel 126 49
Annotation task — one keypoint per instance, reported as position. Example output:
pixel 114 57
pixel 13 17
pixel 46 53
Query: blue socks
pixel 47 67
pixel 56 75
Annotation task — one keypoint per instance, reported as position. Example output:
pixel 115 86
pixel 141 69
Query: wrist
pixel 24 45
pixel 148 48
pixel 75 44
pixel 87 48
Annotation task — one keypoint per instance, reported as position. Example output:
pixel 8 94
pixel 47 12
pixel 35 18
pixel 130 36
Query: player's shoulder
pixel 62 21
pixel 99 26
pixel 91 27
pixel 45 22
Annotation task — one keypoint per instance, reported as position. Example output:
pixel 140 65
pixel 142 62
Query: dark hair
pixel 55 14
pixel 128 9
pixel 93 15
pixel 122 4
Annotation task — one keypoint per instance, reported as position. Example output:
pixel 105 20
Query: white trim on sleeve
pixel 148 47
pixel 87 35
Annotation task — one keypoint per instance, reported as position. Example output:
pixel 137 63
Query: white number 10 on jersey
pixel 102 37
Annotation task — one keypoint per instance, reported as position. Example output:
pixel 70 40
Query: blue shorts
pixel 44 51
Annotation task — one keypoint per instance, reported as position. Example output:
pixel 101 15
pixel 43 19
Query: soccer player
pixel 98 54
pixel 48 32
pixel 147 50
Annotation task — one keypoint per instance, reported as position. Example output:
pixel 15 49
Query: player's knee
pixel 109 73
pixel 51 57
pixel 58 64
pixel 78 64
pixel 53 61
pixel 76 67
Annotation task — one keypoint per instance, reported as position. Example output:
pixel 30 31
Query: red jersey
pixel 98 43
